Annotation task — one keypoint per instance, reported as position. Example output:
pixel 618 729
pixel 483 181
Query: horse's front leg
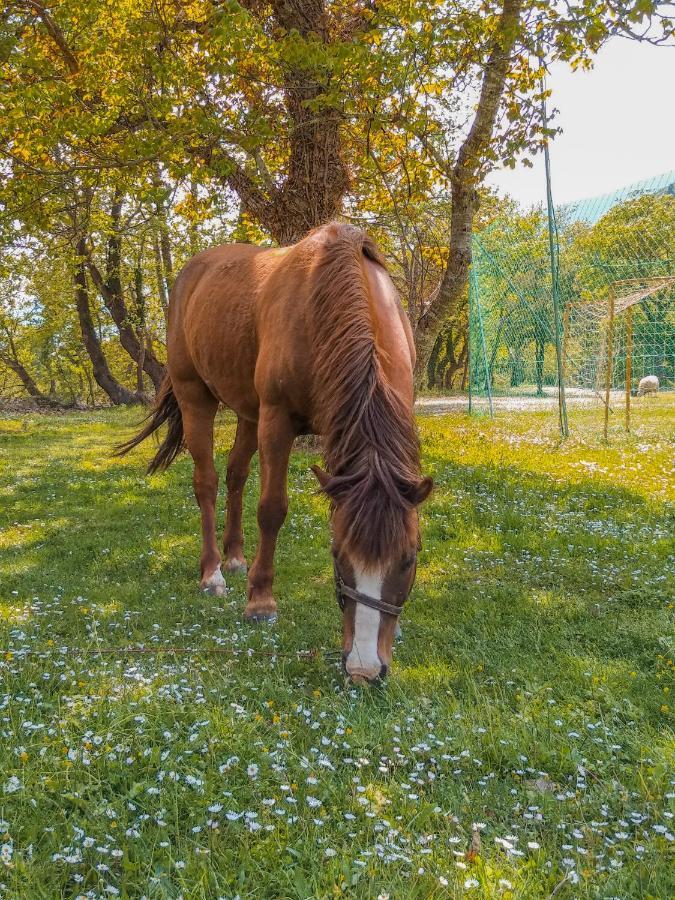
pixel 275 439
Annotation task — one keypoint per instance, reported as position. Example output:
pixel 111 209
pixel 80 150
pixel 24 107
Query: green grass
pixel 529 702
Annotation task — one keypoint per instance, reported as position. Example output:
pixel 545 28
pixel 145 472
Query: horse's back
pixel 252 322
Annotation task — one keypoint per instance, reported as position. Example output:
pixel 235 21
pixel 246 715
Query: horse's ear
pixel 322 477
pixel 422 490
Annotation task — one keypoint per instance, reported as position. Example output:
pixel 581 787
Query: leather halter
pixel 343 591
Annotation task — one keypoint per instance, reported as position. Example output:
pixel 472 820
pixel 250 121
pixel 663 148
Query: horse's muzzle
pixel 358 677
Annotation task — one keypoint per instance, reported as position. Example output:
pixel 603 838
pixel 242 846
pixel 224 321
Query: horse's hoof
pixel 215 584
pixel 260 617
pixel 263 615
pixel 236 566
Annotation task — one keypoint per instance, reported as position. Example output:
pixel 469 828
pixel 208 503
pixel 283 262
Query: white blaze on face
pixel 363 658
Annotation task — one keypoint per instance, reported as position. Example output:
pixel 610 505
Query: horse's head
pixel 375 545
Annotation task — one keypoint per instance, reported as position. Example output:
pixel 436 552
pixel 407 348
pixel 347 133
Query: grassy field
pixel 522 745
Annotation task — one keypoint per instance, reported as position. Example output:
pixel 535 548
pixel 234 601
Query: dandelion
pixel 252 771
pixel 471 883
pixel 329 852
pixel 6 854
pixel 313 802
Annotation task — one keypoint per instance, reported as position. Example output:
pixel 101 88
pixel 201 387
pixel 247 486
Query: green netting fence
pixel 614 275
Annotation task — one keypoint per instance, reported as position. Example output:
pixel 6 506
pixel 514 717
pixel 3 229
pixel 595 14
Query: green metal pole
pixel 469 338
pixel 488 376
pixel 469 363
pixel 555 284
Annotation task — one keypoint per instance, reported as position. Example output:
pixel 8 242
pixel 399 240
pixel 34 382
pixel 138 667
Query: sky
pixel 618 126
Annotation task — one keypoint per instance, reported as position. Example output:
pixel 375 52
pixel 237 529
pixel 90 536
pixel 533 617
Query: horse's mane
pixel 370 441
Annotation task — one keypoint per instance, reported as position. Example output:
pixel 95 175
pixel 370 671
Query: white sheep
pixel 648 385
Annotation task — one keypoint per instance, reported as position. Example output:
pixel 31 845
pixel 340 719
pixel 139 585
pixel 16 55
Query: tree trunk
pixel 432 364
pixel 167 260
pixel 25 378
pixel 455 278
pixel 114 303
pixel 159 277
pixel 465 177
pixel 90 387
pixel 12 361
pixel 164 244
pixel 111 291
pixel 517 367
pixel 316 177
pixel 104 377
pixel 140 305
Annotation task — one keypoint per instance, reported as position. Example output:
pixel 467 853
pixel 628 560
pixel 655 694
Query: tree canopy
pixel 134 133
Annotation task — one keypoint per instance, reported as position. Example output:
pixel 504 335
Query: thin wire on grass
pixel 158 651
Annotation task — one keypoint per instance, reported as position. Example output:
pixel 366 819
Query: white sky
pixel 618 124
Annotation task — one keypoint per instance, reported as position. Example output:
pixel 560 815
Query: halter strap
pixel 343 590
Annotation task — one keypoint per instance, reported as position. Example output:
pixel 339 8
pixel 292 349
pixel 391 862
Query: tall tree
pixel 117 392
pixel 111 290
pixel 286 106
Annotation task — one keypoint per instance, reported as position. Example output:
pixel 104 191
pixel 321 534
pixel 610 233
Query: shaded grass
pixel 530 696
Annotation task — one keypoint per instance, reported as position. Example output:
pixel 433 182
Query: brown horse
pixel 304 339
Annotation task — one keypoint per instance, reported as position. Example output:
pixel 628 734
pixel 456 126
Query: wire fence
pixel 609 261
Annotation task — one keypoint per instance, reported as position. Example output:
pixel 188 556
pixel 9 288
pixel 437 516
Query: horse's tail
pixel 166 409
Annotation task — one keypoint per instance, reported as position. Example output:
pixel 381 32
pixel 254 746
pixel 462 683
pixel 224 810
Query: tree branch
pixel 55 33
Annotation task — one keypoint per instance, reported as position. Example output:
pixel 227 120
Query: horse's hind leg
pixel 198 407
pixel 238 465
